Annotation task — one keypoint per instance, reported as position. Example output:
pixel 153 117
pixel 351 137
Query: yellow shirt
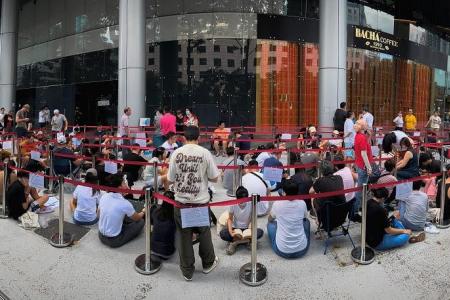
pixel 410 122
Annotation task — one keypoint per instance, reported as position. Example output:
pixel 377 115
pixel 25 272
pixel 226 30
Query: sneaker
pixel 417 238
pixel 187 278
pixel 430 228
pixel 212 267
pixel 231 248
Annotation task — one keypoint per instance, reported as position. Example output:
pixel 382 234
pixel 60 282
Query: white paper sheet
pixel 194 217
pixel 110 167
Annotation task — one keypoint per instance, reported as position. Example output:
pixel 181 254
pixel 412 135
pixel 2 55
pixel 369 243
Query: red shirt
pixel 167 123
pixel 362 144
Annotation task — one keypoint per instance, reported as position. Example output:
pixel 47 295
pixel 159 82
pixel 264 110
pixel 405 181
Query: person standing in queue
pixel 124 130
pixel 340 115
pixel 22 120
pixel 190 169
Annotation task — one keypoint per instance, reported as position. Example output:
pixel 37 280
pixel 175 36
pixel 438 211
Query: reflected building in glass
pixel 247 62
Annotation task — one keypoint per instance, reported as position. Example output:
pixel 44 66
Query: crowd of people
pixel 185 171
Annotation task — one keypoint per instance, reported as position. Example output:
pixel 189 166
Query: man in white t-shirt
pixel 255 184
pixel 288 227
pixel 349 134
pixel 124 130
pixel 239 218
pixel 171 143
pixel 191 167
pixel 114 229
pixel 368 117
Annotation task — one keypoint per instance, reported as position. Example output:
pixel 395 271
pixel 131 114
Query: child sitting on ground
pixel 238 224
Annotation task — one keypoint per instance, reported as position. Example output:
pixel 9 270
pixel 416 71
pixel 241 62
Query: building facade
pixel 253 62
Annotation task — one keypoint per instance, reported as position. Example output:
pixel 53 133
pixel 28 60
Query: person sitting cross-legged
pixel 383 233
pixel 413 211
pixel 163 233
pixel 288 227
pixel 118 222
pixel 238 229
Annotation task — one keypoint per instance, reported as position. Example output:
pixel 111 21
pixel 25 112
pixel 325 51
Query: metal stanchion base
pixel 245 274
pixel 368 259
pixel 49 192
pixel 3 215
pixel 67 240
pixel 443 226
pixel 140 267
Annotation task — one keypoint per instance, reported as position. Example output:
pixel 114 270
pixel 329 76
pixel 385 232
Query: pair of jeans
pixel 272 233
pixel 226 236
pixel 93 222
pixel 363 177
pixel 391 241
pixel 186 250
pixel 129 232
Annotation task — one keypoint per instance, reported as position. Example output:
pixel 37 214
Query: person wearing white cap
pixel 59 122
pixel 85 200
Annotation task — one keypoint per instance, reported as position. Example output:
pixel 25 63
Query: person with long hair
pixel 85 201
pixel 190 119
pixel 408 166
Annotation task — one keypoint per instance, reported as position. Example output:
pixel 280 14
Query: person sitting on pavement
pixel 387 177
pixel 274 162
pixel 303 181
pixel 159 156
pixel 164 228
pixel 63 165
pixel 349 177
pixel 327 183
pixel 408 166
pixel 221 136
pixel 255 184
pixel 85 201
pixel 118 222
pixel 288 227
pixel 171 143
pixel 133 170
pixel 413 212
pixel 228 174
pixel 391 141
pixel 383 233
pixel 19 198
pixel 262 156
pixel 238 227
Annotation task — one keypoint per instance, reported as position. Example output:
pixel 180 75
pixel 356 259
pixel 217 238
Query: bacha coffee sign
pixel 374 40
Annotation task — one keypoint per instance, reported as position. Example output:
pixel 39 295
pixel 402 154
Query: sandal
pixel 417 238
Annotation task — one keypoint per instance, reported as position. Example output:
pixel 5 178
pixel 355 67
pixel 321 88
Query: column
pixel 332 58
pixel 132 59
pixel 8 52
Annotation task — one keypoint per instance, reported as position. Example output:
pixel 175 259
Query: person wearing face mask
pixel 118 222
pixel 190 119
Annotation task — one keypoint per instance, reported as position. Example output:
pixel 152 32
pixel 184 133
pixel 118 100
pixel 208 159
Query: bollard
pixel 4 215
pixel 235 183
pixel 143 264
pixel 155 176
pixel 442 224
pixel 51 184
pixel 253 273
pixel 61 239
pixel 363 255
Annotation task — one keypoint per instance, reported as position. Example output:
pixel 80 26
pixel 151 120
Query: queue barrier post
pixel 61 239
pixel 93 161
pixel 253 273
pixel 441 224
pixel 144 264
pixel 239 180
pixel 51 183
pixel 379 156
pixel 363 255
pixel 155 176
pixel 3 214
pixel 236 175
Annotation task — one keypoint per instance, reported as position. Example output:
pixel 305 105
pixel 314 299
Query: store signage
pixel 375 40
pixel 103 103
